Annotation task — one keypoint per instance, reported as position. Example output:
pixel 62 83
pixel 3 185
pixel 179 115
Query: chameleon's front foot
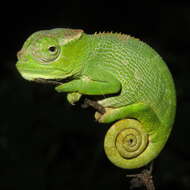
pixel 73 97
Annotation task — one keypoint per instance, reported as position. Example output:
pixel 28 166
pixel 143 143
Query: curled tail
pixel 137 139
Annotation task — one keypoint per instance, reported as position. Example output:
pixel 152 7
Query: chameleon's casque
pixel 142 93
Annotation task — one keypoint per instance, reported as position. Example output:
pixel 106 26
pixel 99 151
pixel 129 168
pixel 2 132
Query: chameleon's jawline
pixel 52 81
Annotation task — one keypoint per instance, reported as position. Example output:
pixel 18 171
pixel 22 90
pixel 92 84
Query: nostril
pixel 19 54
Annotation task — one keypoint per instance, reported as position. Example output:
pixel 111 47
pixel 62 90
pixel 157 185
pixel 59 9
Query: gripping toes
pixel 106 117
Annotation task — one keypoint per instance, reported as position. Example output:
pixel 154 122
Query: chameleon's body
pixel 142 89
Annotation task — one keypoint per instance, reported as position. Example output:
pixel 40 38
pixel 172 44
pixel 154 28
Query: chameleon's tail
pixel 128 145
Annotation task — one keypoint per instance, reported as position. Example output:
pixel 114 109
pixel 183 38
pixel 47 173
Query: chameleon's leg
pixel 114 101
pixel 139 111
pixel 91 85
pixel 136 140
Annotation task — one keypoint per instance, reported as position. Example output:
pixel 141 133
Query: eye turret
pixel 46 50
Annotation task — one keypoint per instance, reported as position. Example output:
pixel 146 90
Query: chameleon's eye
pixel 52 49
pixel 46 50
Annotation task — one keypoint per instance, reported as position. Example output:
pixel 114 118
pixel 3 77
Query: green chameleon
pixel 133 82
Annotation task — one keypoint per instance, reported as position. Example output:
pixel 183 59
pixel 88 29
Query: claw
pixel 98 116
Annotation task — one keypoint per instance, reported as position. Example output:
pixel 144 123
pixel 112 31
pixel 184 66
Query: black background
pixel 47 144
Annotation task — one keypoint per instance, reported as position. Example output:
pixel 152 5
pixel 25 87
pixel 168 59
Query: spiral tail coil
pixel 125 142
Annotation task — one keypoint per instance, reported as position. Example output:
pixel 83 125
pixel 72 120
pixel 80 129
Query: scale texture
pixel 141 101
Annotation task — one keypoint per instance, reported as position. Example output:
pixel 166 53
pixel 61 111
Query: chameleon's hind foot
pixel 110 115
pixel 104 117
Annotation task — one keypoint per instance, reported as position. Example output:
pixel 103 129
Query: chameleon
pixel 131 80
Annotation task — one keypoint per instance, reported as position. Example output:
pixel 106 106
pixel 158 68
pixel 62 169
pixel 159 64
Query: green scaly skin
pixel 139 82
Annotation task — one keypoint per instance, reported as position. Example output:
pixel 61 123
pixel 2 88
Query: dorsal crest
pixel 120 36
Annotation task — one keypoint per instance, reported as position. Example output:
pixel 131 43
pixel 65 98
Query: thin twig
pixel 47 81
pixel 144 178
pixel 94 104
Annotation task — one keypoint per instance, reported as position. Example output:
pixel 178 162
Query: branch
pixel 143 179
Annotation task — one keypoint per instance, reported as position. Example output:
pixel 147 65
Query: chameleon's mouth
pixel 52 81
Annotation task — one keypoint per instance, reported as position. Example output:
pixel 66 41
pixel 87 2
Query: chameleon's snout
pixel 19 54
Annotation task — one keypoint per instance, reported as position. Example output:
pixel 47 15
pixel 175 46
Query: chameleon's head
pixel 49 54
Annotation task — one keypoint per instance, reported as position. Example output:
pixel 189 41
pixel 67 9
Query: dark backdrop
pixel 47 144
